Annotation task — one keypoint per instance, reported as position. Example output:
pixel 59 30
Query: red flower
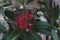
pixel 23 21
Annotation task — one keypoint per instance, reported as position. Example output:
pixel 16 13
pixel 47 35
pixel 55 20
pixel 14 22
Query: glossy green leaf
pixel 54 35
pixel 9 14
pixel 46 32
pixel 43 27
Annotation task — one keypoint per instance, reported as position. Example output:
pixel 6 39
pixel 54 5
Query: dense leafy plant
pixel 24 26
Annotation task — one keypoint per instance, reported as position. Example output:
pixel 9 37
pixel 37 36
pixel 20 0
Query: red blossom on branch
pixel 23 21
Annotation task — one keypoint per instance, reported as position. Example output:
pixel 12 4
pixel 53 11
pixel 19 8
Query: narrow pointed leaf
pixel 11 35
pixel 54 35
pixel 35 35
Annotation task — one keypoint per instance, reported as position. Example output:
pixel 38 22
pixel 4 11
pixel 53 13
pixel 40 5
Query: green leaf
pixel 43 27
pixel 9 14
pixel 54 35
pixel 35 35
pixel 59 34
pixel 32 35
pixel 43 3
pixel 22 1
pixel 11 35
pixel 55 13
pixel 46 32
pixel 26 36
pixel 4 3
pixel 2 28
pixel 45 9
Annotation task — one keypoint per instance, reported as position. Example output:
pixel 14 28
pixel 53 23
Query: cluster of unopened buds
pixel 24 21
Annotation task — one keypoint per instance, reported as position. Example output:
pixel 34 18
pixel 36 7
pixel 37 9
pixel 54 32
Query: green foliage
pixel 43 3
pixel 9 14
pixel 22 2
pixel 2 28
pixel 11 35
pixel 43 27
pixel 40 26
pixel 59 35
pixel 55 13
pixel 35 35
pixel 45 9
pixel 23 35
pixel 4 3
pixel 54 35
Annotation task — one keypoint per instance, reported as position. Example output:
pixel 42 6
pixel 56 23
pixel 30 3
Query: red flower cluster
pixel 23 21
